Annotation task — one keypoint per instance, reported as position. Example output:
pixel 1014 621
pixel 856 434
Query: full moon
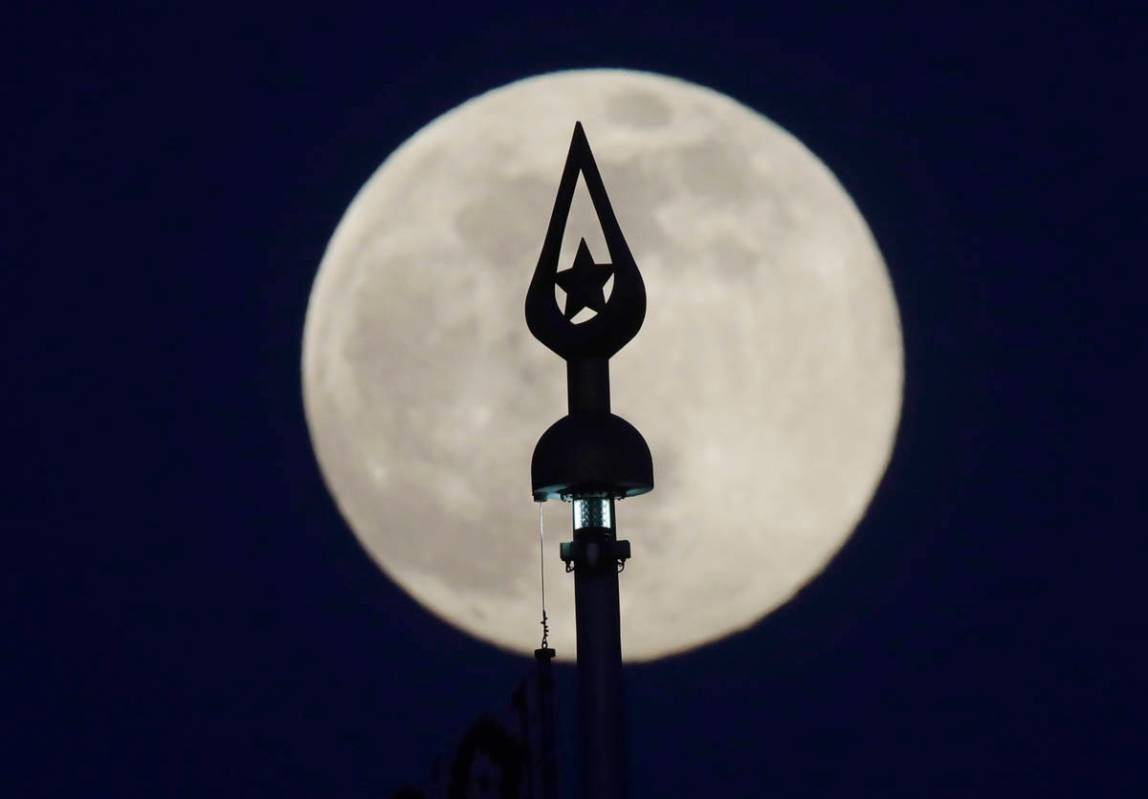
pixel 767 378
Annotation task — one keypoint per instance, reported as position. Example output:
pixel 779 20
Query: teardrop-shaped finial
pixel 619 318
pixel 590 451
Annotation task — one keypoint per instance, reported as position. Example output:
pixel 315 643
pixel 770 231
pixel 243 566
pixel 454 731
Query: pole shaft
pixel 544 782
pixel 601 695
pixel 588 385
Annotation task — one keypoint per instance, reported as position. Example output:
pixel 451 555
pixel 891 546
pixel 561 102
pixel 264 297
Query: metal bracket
pixel 593 551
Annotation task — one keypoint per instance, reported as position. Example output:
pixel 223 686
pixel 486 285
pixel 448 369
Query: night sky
pixel 186 614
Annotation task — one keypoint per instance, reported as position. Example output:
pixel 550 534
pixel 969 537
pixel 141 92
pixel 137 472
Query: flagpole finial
pixel 589 451
pixel 615 321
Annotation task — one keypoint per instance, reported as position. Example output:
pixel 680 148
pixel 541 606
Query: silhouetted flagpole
pixel 543 763
pixel 591 457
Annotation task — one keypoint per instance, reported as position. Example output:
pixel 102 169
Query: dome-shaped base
pixel 591 453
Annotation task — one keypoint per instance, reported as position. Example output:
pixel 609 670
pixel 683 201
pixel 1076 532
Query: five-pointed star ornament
pixel 584 282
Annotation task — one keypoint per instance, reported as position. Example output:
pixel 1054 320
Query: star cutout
pixel 583 283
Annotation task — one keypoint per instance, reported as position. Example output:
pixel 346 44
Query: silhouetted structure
pixel 534 705
pixel 591 457
pixel 507 754
pixel 487 740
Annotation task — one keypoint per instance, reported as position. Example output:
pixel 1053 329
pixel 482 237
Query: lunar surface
pixel 767 378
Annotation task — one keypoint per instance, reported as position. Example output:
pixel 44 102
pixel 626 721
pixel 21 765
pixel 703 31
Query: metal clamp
pixel 591 549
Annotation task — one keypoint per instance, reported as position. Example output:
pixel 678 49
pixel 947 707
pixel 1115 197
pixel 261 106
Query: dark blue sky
pixel 187 615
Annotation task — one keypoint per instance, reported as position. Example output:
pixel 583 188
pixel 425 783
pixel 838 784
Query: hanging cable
pixel 542 574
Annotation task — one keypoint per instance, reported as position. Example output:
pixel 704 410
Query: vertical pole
pixel 591 455
pixel 548 779
pixel 601 693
